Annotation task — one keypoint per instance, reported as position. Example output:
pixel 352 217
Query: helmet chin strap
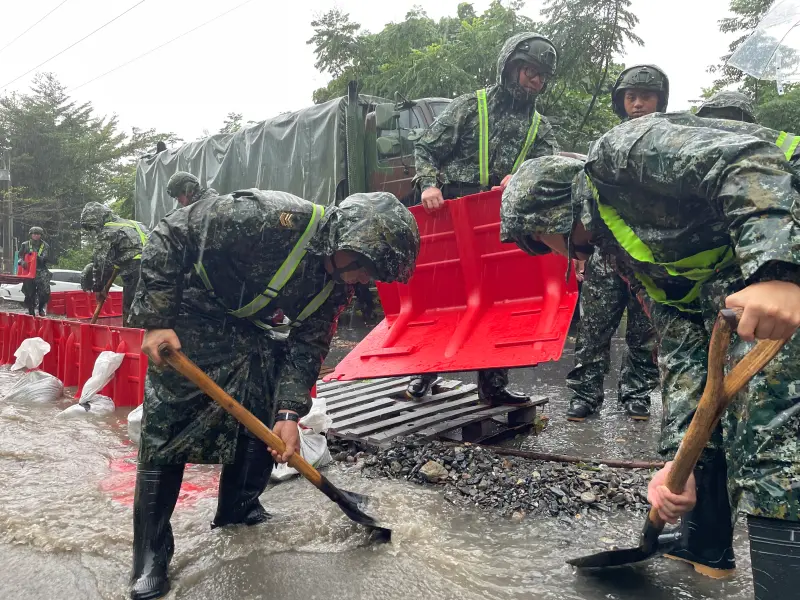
pixel 338 271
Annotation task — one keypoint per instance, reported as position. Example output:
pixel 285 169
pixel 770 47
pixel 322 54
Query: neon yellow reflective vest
pixel 279 280
pixel 697 268
pixel 123 223
pixel 483 139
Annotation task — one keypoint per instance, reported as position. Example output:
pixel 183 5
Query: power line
pixel 175 39
pixel 103 26
pixel 34 25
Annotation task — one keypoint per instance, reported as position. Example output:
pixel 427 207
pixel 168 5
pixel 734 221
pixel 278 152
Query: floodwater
pixel 66 488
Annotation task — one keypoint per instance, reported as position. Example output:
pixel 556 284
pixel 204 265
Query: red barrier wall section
pixel 472 303
pixel 129 378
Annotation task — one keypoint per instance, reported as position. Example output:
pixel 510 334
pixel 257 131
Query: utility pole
pixel 8 211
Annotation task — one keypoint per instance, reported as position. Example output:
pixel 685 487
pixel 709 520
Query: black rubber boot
pixel 42 312
pixel 492 388
pixel 420 386
pixel 638 410
pixel 241 484
pixel 707 530
pixel 578 410
pixel 775 557
pixel 157 489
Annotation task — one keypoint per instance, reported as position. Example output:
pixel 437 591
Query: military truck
pixel 323 153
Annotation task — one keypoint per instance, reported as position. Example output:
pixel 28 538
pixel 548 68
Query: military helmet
pixel 730 105
pixel 376 226
pixel 182 183
pixel 537 50
pixel 539 201
pixel 640 77
pixel 35 229
pixel 95 215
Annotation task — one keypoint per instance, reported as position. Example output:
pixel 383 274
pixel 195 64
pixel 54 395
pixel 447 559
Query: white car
pixel 64 280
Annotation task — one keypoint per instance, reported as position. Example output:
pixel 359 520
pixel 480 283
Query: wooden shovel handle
pixel 104 295
pixel 717 396
pixel 178 361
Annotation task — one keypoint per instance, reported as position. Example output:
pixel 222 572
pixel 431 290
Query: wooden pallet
pixel 376 411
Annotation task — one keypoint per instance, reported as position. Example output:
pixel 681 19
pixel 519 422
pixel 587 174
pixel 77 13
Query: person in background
pixel 477 142
pixel 37 291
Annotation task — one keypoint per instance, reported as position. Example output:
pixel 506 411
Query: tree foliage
pixel 62 156
pixel 420 57
pixel 781 112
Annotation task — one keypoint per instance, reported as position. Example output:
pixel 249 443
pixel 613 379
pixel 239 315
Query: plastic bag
pixel 135 424
pixel 104 368
pixel 98 405
pixel 313 443
pixel 36 386
pixel 30 354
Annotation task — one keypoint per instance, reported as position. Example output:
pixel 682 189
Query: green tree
pixel 747 14
pixel 63 156
pixel 420 57
pixel 589 33
pixel 232 123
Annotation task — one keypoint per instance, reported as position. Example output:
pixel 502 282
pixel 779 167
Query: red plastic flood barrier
pixel 57 304
pixel 81 305
pixel 129 378
pixel 27 270
pixel 472 303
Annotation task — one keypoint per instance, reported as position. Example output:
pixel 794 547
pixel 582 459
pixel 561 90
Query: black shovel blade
pixel 653 543
pixel 612 558
pixel 353 504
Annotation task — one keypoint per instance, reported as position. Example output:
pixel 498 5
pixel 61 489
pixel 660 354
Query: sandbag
pixel 135 424
pixel 30 354
pixel 313 443
pixel 35 386
pixel 97 406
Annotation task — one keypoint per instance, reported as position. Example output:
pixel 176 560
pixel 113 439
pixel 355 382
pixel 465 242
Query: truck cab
pixel 391 131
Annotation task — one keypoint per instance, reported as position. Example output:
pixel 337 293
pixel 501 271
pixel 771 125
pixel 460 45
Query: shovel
pixel 717 395
pixel 352 504
pixel 104 295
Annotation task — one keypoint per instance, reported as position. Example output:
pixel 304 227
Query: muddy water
pixel 66 488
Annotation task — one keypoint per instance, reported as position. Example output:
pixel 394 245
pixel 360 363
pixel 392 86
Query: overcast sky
pixel 255 60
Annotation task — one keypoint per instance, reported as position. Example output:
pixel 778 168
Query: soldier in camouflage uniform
pixel 640 90
pixel 663 189
pixel 119 243
pixel 39 288
pixel 185 188
pixel 450 164
pixel 250 285
pixel 707 530
pixel 730 105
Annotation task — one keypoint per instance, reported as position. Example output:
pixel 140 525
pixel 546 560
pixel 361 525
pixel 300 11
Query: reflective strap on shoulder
pixel 133 225
pixel 315 304
pixel 697 267
pixel 483 138
pixel 286 270
pixel 312 307
pixel 787 142
pixel 201 272
pixel 529 140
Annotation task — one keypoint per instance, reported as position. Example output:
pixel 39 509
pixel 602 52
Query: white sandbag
pixel 105 366
pixel 135 424
pixel 97 406
pixel 30 354
pixel 313 443
pixel 35 386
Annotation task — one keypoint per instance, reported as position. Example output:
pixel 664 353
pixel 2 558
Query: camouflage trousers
pixel 129 283
pixel 38 289
pixel 604 298
pixel 759 432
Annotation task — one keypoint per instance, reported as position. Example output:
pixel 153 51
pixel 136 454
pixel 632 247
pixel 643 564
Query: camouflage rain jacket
pixel 447 153
pixel 683 190
pixel 241 240
pixel 118 243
